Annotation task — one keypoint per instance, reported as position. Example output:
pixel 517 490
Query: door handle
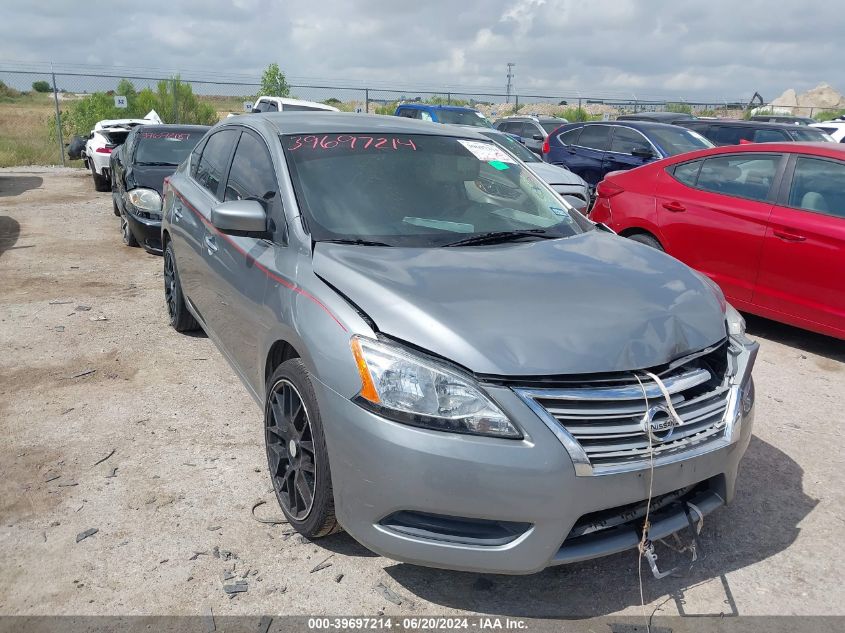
pixel 789 237
pixel 674 207
pixel 211 244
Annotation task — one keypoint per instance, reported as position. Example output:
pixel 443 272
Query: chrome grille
pixel 601 423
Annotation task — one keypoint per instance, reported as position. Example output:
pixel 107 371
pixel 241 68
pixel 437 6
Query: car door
pixel 528 130
pixel 713 214
pixel 238 285
pixel 802 271
pixel 587 157
pixel 624 142
pixel 191 215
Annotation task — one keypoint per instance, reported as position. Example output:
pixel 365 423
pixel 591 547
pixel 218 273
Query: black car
pixel 731 132
pixel 138 169
pixel 658 117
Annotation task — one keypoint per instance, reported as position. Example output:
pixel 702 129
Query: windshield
pixel 513 146
pixel 809 134
pixel 417 190
pixel 165 148
pixel 463 117
pixel 677 140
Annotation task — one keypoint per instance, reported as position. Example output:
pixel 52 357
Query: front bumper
pixel 380 468
pixel 146 230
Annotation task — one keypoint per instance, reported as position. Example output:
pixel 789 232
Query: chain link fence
pixel 49 122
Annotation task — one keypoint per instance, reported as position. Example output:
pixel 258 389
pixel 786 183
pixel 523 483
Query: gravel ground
pixel 114 422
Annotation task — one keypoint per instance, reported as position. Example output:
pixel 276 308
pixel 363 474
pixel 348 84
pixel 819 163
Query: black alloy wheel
pixel 290 450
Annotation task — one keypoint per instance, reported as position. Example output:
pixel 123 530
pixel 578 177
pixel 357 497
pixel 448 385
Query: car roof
pixel 427 106
pixel 346 123
pixel 301 102
pixel 823 149
pixel 642 126
pixel 656 116
pixel 738 123
pixel 172 127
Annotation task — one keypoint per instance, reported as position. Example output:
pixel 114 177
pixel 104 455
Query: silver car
pixel 454 366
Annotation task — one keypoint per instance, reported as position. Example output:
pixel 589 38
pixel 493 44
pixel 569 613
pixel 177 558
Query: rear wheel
pixel 126 230
pixel 645 238
pixel 101 183
pixel 180 319
pixel 296 451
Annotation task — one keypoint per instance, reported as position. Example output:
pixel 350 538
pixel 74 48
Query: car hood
pixel 586 304
pixel 149 177
pixel 554 175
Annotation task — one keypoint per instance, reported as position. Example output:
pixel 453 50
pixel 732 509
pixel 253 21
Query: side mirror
pixel 642 152
pixel 240 217
pixel 538 137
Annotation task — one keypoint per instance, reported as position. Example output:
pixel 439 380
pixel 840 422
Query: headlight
pixel 146 200
pixel 403 387
pixel 735 322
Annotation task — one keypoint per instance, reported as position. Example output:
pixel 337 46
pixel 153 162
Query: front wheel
pixel 180 319
pixel 126 231
pixel 296 451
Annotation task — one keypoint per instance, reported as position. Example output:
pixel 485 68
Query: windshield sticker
pixel 352 142
pixel 558 211
pixel 486 152
pixel 175 136
pixel 497 164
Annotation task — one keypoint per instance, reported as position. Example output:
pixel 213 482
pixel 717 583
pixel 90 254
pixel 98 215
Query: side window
pixel 528 130
pixel 687 173
pixel 745 176
pixel 817 186
pixel 409 113
pixel 259 106
pixel 213 161
pixel 725 135
pixel 595 137
pixel 570 137
pixel 769 136
pixel 425 116
pixel 511 127
pixel 251 176
pixel 626 140
pixel 270 106
pixel 195 157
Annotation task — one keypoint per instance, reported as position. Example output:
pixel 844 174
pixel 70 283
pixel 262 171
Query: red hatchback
pixel 765 221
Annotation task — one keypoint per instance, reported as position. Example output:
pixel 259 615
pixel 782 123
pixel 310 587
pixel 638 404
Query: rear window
pixel 677 140
pixel 164 148
pixel 301 108
pixel 463 117
pixel 116 138
pixel 808 134
pixel 551 126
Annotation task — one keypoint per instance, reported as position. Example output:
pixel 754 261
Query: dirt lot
pixel 89 370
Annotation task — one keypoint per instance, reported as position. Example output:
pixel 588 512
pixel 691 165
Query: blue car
pixel 455 115
pixel 592 150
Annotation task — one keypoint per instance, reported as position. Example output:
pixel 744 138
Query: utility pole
pixel 510 82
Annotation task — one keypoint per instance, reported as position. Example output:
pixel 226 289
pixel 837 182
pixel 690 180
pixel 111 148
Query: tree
pixel 273 82
pixel 41 86
pixel 176 103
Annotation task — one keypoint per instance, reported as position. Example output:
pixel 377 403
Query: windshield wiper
pixel 157 164
pixel 357 242
pixel 501 236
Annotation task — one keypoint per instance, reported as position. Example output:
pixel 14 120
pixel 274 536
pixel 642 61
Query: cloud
pixel 604 48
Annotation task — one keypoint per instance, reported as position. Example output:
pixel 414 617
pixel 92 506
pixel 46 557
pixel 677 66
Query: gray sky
pixel 612 48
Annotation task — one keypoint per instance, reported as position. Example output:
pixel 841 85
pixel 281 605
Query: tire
pixel 101 183
pixel 180 319
pixel 648 240
pixel 296 451
pixel 126 231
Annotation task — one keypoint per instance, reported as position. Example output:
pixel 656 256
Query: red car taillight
pixel 103 150
pixel 608 189
pixel 546 146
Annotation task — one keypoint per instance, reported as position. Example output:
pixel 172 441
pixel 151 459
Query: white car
pixel 106 136
pixel 836 129
pixel 283 104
